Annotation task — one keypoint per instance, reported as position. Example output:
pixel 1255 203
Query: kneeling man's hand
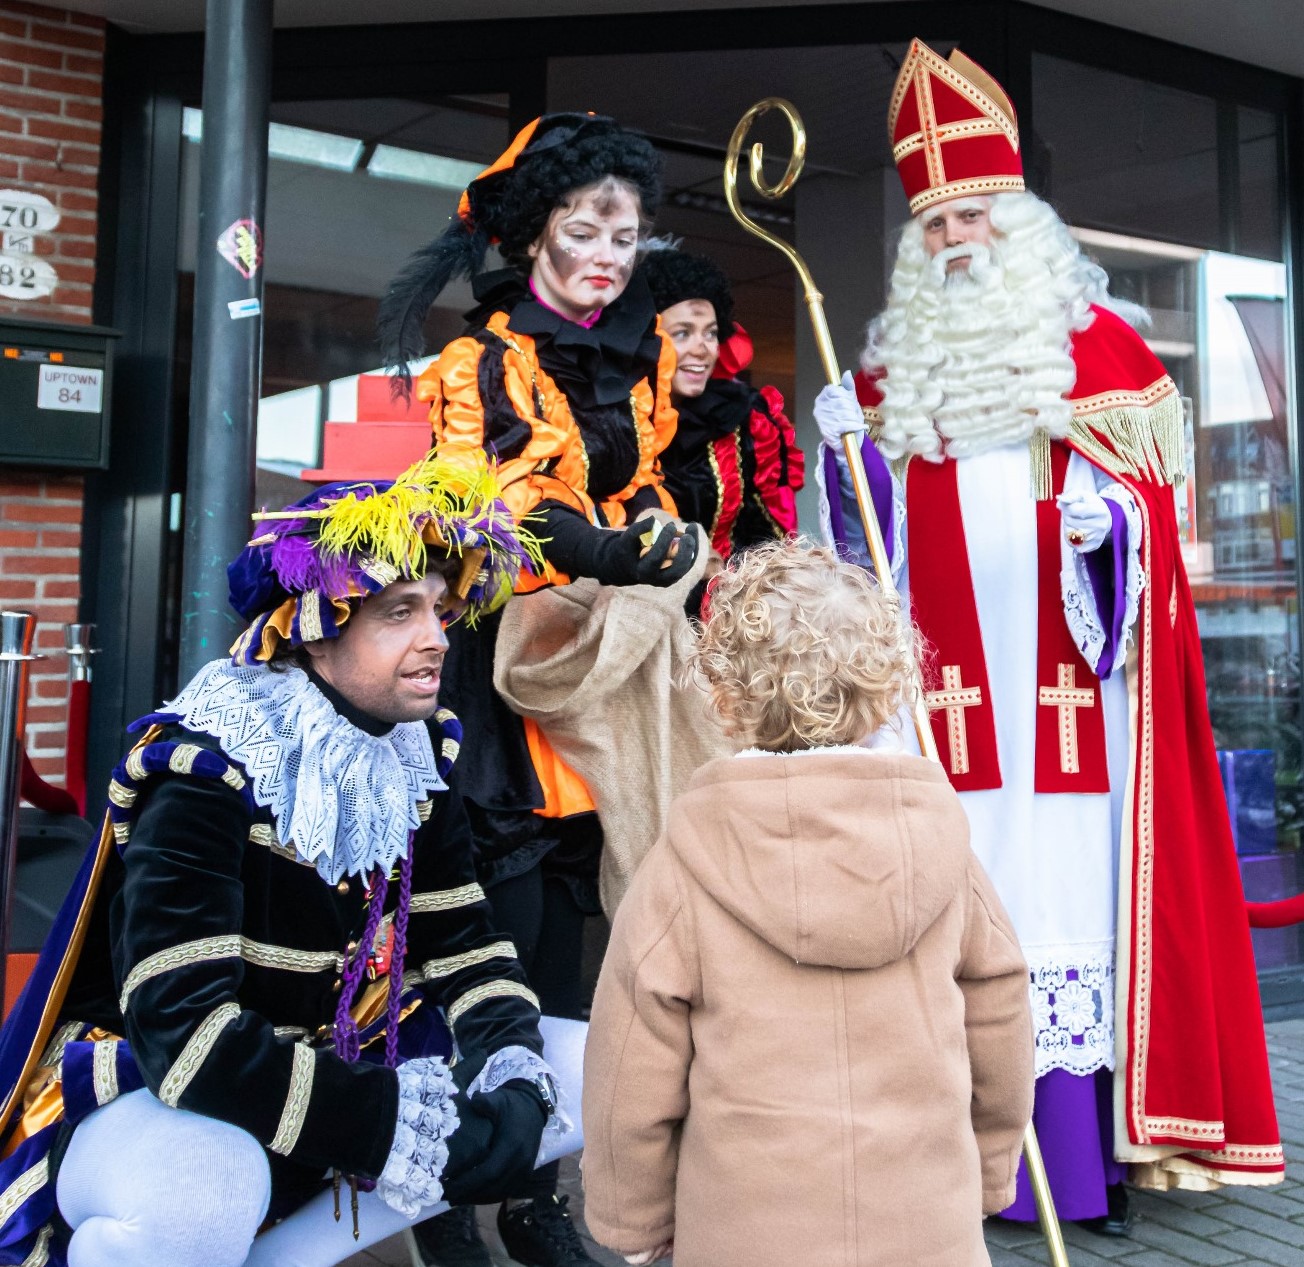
pixel 492 1151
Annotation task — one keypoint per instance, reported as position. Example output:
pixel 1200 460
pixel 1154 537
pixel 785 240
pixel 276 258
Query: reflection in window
pixel 353 188
pixel 1142 159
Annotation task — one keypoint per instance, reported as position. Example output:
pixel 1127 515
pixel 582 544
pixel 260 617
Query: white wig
pixel 981 358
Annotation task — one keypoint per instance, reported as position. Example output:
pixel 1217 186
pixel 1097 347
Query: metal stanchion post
pixel 17 633
pixel 77 645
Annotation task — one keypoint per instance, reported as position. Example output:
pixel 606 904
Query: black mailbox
pixel 55 386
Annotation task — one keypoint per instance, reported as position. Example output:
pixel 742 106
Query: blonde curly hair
pixel 800 649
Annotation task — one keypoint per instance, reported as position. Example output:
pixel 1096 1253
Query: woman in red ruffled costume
pixel 733 465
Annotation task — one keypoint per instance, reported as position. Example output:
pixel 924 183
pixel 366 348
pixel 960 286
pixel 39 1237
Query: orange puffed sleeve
pixel 657 420
pixel 459 425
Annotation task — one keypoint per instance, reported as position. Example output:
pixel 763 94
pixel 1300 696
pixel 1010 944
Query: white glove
pixel 837 411
pixel 1086 519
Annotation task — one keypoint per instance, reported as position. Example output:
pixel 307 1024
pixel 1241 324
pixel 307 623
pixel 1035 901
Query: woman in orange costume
pixel 564 379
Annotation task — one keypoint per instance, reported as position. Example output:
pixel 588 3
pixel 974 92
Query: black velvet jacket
pixel 218 956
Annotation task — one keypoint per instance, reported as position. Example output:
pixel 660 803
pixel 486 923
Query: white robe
pixel 1052 857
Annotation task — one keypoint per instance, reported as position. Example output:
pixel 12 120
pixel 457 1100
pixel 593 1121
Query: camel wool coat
pixel 811 1040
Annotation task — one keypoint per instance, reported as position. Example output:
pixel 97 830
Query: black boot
pixel 541 1233
pixel 1119 1219
pixel 451 1239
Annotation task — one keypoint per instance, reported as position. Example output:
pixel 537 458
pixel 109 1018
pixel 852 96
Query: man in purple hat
pixel 276 975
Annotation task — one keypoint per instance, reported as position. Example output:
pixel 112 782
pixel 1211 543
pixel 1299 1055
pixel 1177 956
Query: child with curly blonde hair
pixel 811 1039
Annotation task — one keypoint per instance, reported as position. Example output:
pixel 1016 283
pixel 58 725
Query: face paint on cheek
pixel 564 260
pixel 625 267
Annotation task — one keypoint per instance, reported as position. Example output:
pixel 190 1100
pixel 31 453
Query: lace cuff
pixel 1136 576
pixel 851 540
pixel 1090 627
pixel 413 1175
pixel 510 1063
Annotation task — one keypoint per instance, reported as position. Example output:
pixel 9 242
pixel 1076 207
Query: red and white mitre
pixel 953 130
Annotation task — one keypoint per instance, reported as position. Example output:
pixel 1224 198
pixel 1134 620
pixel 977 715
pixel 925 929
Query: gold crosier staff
pixel 873 533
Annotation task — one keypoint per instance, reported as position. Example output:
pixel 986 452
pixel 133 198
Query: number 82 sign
pixel 24 276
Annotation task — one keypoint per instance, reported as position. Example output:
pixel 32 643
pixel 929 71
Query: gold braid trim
pixel 203 950
pixel 104 1070
pixel 40 1254
pixel 122 796
pixel 264 834
pixel 182 760
pixel 446 899
pixel 62 1036
pixel 1188 1129
pixel 296 1101
pixel 195 1052
pixel 491 990
pixel 718 476
pixel 433 968
pixel 288 959
pixel 228 946
pixel 30 1181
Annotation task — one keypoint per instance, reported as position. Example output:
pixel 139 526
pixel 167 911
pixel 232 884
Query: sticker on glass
pixel 242 247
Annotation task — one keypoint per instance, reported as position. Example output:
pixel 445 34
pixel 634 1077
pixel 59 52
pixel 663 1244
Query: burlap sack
pixel 598 668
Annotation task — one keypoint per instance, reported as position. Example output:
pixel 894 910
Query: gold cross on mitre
pixel 955 698
pixel 1068 698
pixel 955 101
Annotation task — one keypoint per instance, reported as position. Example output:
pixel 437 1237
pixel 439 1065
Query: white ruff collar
pixel 344 800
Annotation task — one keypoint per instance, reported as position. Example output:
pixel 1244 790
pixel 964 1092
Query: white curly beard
pixel 979 357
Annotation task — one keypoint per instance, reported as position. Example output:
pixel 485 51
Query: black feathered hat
pixel 508 205
pixel 674 276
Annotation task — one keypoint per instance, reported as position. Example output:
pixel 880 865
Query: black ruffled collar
pixel 719 411
pixel 594 366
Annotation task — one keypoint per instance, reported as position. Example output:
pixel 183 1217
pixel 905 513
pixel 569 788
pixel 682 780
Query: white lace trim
pixel 344 800
pixel 1072 995
pixel 1136 574
pixel 856 543
pixel 510 1063
pixel 1086 623
pixel 427 1115
pixel 826 522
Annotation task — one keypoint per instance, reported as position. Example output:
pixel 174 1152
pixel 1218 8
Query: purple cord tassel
pixel 347 1045
pixel 397 957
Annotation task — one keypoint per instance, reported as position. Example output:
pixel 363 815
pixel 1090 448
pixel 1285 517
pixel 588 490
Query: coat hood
pixel 834 857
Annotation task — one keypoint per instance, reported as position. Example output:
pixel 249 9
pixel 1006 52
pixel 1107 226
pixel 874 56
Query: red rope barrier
pixel 1276 914
pixel 36 791
pixel 79 707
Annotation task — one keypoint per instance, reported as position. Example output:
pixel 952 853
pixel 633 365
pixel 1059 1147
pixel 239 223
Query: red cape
pixel 1193 1095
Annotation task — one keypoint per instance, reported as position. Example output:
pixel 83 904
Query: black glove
pixel 653 573
pixel 492 1152
pixel 576 547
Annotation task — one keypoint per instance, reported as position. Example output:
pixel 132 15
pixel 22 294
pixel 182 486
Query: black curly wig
pixel 511 208
pixel 673 276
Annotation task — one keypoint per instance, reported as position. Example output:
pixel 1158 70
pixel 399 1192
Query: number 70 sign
pixel 24 275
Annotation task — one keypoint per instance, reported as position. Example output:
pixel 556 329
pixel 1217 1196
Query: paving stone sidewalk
pixel 1236 1225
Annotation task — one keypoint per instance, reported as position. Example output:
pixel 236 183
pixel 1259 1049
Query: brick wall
pixel 51 73
pixel 40 557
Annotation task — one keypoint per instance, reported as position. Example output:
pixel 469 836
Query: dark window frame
pixel 149 78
